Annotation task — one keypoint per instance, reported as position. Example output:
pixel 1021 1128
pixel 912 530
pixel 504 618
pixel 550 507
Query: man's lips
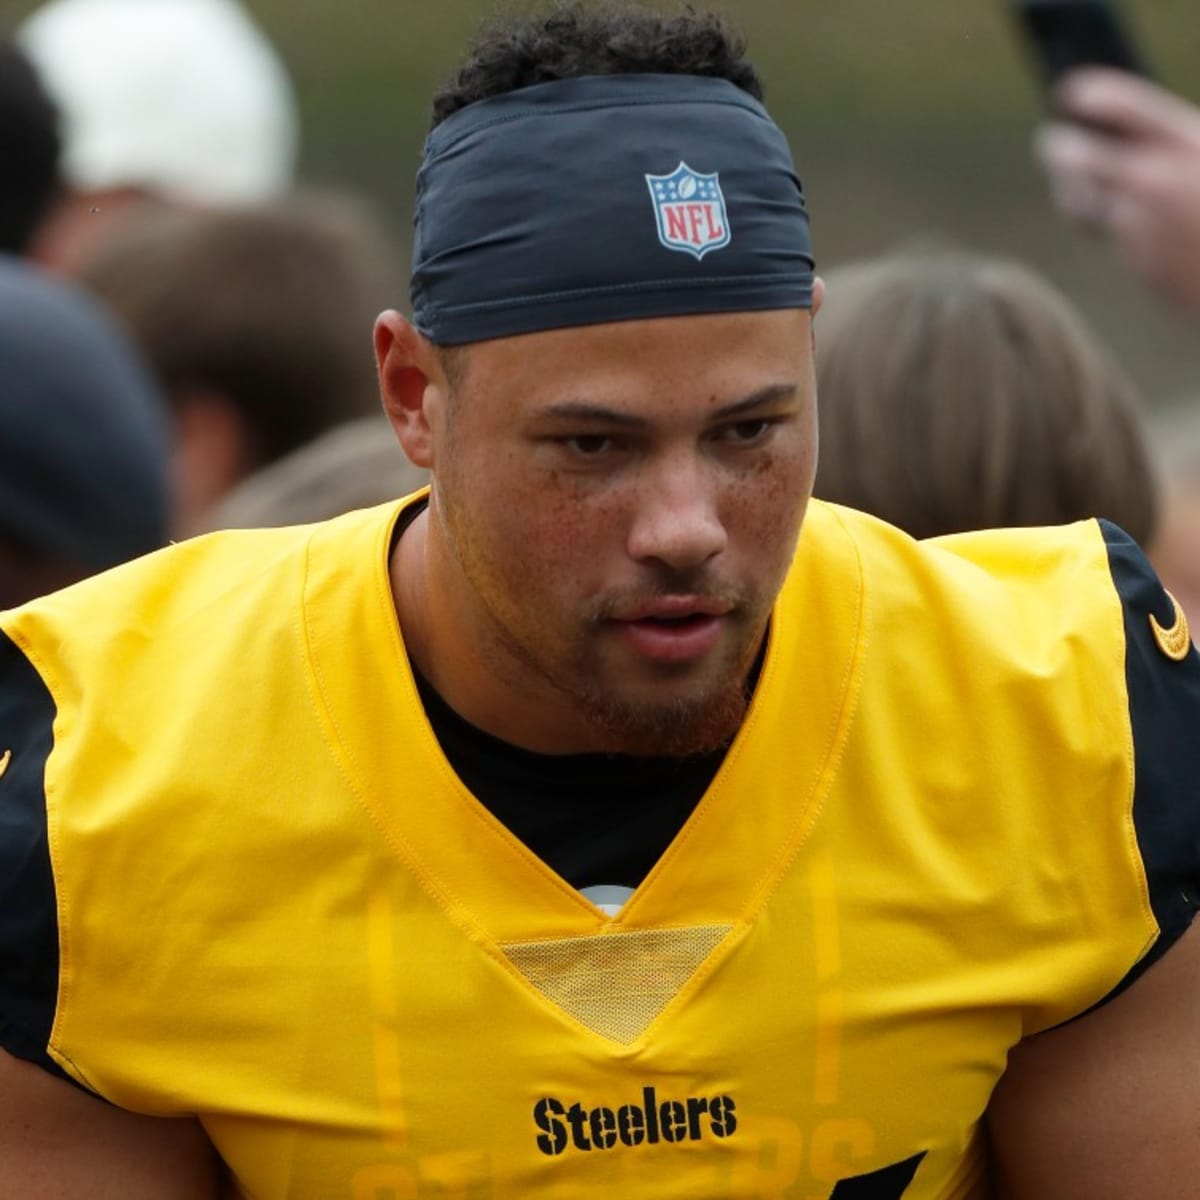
pixel 673 628
pixel 674 608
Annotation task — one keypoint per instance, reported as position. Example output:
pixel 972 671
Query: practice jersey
pixel 962 808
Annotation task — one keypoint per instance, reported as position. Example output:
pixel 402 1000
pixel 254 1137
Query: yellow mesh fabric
pixel 616 983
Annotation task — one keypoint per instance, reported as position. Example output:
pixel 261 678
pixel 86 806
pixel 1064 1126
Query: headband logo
pixel 690 210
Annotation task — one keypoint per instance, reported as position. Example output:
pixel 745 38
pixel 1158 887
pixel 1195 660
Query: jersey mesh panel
pixel 615 984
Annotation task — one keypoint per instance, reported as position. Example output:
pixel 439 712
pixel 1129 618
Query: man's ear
pixel 411 383
pixel 818 294
pixel 818 298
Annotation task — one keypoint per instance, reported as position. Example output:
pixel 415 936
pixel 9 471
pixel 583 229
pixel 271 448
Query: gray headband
pixel 606 198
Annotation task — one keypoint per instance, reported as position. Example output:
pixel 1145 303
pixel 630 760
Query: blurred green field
pixel 907 117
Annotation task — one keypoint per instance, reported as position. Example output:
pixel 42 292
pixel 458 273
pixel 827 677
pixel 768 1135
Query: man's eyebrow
pixel 766 395
pixel 583 411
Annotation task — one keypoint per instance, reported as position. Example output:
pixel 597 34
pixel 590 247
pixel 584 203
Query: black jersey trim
pixel 1164 713
pixel 890 1183
pixel 28 903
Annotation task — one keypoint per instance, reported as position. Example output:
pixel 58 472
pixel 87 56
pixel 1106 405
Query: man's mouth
pixel 673 629
pixel 675 608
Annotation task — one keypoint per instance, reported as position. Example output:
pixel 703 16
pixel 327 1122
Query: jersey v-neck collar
pixel 483 875
pixel 595 819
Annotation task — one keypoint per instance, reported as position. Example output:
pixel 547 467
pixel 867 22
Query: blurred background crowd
pixel 204 204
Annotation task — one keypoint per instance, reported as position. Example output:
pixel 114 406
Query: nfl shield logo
pixel 690 210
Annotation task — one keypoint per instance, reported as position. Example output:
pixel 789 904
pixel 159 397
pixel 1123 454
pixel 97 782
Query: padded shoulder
pixel 1162 670
pixel 1066 786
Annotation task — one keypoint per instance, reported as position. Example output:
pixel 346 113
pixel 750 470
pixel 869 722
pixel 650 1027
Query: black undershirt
pixel 594 818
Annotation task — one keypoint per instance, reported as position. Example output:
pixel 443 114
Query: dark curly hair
pixel 576 39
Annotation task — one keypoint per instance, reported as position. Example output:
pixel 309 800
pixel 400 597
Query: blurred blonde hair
pixel 959 392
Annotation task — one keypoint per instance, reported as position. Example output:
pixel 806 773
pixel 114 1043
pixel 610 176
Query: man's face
pixel 619 505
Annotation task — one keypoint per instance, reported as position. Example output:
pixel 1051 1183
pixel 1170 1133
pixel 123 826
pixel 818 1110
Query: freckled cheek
pixel 560 538
pixel 763 509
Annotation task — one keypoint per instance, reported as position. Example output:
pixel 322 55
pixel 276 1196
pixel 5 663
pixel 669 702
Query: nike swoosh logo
pixel 1176 641
pixel 5 759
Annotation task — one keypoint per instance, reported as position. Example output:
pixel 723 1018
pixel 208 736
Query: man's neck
pixel 450 644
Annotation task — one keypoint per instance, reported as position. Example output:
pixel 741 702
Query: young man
pixel 582 828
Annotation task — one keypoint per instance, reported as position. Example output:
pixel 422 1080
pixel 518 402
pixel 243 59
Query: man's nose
pixel 677 519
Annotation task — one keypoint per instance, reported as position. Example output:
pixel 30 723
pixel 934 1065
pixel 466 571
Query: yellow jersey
pixel 273 904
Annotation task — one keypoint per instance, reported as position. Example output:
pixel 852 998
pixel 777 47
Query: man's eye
pixel 746 433
pixel 588 445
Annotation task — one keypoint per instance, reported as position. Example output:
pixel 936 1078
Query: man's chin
pixel 676 728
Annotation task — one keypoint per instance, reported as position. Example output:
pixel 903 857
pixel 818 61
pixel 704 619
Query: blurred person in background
pixel 1124 158
pixel 256 323
pixel 83 441
pixel 354 465
pixel 960 392
pixel 29 135
pixel 181 101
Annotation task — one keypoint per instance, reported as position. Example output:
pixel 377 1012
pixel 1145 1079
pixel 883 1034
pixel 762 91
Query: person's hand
pixel 1124 157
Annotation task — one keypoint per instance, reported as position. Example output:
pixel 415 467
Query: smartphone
pixel 1064 34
